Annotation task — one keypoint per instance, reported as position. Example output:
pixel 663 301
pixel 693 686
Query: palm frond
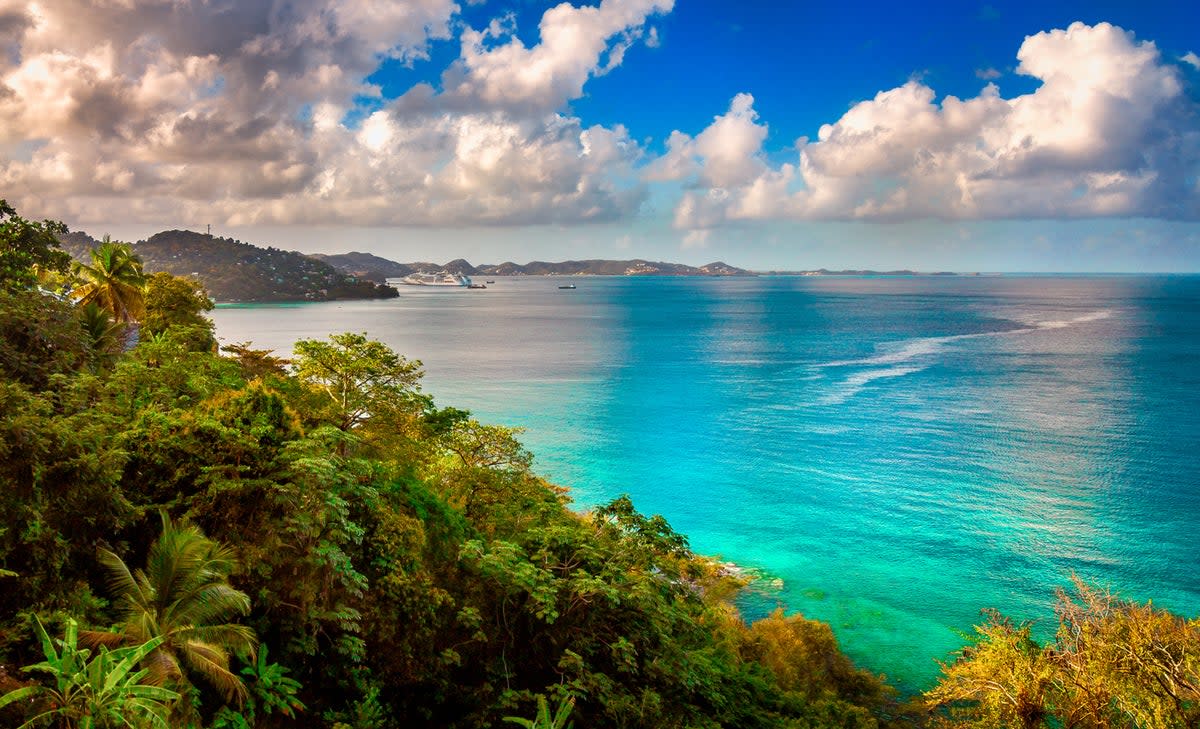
pixel 231 636
pixel 162 667
pixel 106 638
pixel 183 597
pixel 142 624
pixel 120 579
pixel 210 603
pixel 213 663
pixel 173 559
pixel 113 280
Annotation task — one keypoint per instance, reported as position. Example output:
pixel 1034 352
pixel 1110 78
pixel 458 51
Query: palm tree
pixel 114 281
pixel 103 335
pixel 184 597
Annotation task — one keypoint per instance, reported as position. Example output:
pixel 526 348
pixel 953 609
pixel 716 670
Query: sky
pixel 1032 136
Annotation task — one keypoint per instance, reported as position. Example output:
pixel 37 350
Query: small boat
pixel 568 286
pixel 476 286
pixel 491 282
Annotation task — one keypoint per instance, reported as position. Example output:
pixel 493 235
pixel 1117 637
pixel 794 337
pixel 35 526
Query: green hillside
pixel 235 271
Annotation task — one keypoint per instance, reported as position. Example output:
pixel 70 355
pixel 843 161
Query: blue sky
pixel 937 136
pixel 805 63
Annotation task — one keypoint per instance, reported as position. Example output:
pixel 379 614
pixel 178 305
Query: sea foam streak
pixel 854 384
pixel 924 347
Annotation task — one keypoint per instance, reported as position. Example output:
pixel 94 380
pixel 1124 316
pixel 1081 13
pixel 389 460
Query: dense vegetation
pixel 227 540
pixel 235 271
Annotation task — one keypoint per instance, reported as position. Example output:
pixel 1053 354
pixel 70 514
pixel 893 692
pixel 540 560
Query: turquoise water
pixel 893 453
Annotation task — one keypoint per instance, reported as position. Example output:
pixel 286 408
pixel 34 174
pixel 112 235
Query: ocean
pixel 891 454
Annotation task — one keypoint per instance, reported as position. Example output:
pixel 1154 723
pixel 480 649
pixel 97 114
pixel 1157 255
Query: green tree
pixel 257 363
pixel 173 301
pixel 113 280
pixel 166 372
pixel 57 463
pixel 484 471
pixel 804 658
pixel 618 611
pixel 40 336
pixel 183 597
pixel 100 691
pixel 359 377
pixel 27 247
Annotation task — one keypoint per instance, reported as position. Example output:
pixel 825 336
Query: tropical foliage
pixel 182 600
pixel 102 690
pixel 543 719
pixel 113 281
pixel 1112 663
pixel 360 378
pixel 104 337
pixel 174 301
pixel 270 691
pixel 28 248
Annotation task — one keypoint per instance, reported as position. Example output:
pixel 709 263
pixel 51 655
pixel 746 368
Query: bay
pixel 892 454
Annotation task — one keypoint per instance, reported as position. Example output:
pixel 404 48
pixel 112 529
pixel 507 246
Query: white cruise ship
pixel 441 278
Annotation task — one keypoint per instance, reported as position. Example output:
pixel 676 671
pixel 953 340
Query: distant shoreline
pixel 868 272
pixel 375 268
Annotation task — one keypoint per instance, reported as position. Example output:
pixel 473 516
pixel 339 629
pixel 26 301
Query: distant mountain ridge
pixel 859 272
pixel 235 271
pixel 374 268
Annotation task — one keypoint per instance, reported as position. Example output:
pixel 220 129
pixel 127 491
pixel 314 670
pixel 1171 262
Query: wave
pixel 1060 323
pixel 904 352
pixel 923 347
pixel 854 384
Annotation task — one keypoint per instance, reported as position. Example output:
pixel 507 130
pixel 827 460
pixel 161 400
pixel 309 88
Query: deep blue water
pixel 894 454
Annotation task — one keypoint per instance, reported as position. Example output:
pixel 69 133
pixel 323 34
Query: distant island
pixel 235 271
pixel 374 268
pixel 370 267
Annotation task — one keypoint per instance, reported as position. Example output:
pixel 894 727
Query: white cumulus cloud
pixel 251 112
pixel 576 43
pixel 725 154
pixel 1108 132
